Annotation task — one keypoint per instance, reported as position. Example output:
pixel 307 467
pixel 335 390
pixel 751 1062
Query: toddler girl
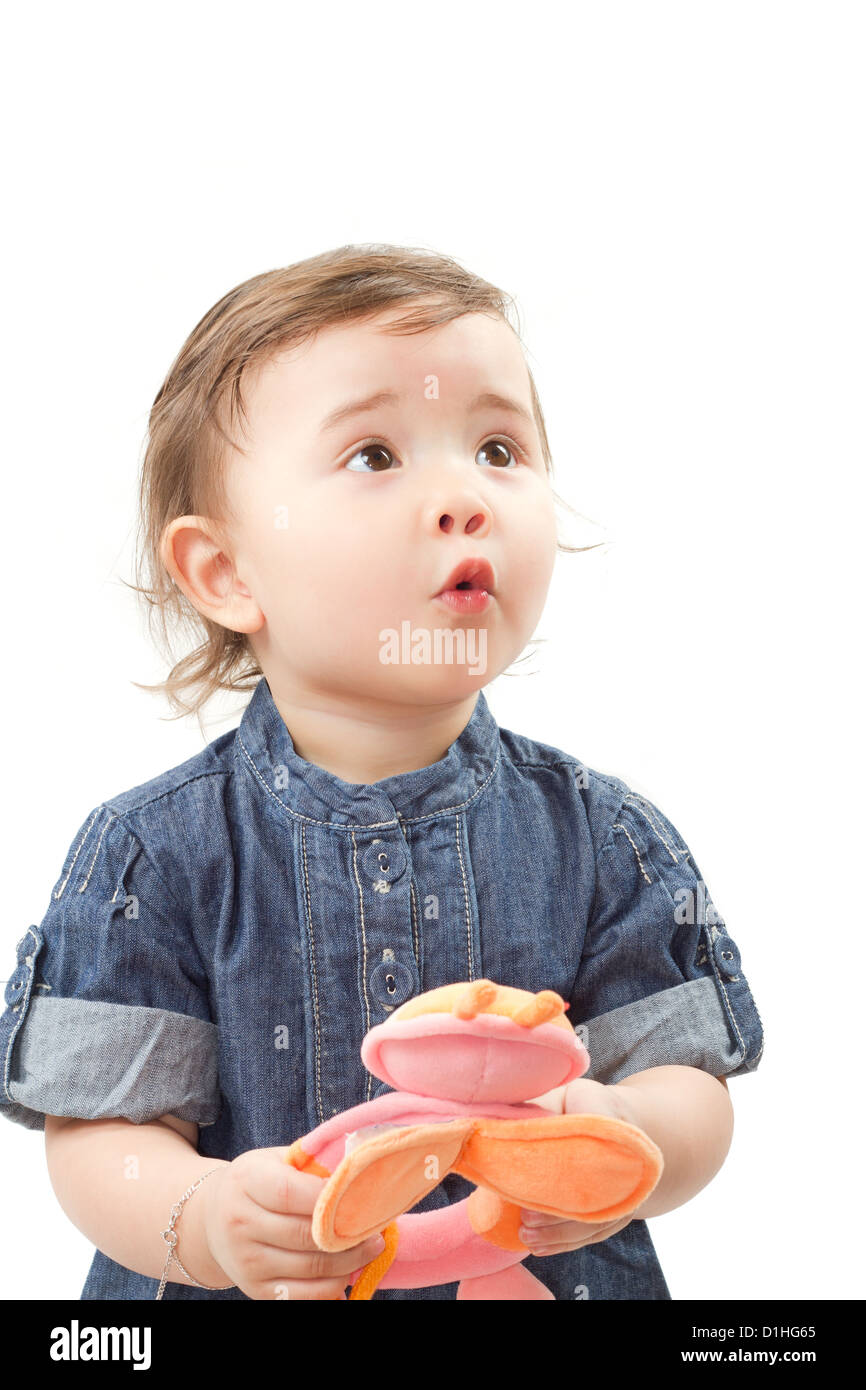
pixel 346 497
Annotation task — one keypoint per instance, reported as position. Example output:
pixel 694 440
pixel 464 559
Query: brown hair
pixel 182 471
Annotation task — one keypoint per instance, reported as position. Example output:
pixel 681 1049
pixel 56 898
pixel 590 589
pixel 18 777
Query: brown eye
pixel 376 459
pixel 499 453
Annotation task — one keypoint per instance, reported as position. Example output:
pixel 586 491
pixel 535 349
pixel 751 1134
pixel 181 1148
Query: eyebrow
pixel 487 400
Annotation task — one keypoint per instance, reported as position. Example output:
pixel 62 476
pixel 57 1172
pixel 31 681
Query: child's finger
pixel 536 1218
pixel 548 1234
pixel 555 1232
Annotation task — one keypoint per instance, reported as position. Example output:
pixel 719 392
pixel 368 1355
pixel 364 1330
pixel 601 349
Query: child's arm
pixel 688 1113
pixel 118 1181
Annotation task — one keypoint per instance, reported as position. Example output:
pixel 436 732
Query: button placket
pixel 392 981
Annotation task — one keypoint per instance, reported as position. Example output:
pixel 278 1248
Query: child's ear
pixel 196 558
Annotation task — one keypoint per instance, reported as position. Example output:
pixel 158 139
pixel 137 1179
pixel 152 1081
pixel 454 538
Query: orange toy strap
pixel 368 1280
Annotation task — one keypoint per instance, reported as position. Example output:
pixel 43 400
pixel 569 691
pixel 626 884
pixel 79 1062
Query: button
pixel 17 985
pixel 391 984
pixel 726 954
pixel 383 861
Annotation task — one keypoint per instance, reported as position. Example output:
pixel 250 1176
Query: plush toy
pixel 464 1061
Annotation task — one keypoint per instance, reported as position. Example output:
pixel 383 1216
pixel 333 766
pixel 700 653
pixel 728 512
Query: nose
pixel 478 523
pixel 462 511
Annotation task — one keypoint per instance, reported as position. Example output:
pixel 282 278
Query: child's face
pixel 333 555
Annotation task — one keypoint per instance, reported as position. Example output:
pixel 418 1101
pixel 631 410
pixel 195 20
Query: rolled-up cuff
pixel 686 1026
pixel 94 1060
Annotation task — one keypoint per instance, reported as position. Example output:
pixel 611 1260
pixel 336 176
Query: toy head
pixel 476 1041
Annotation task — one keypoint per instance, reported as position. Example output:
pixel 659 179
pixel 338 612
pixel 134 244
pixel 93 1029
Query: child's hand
pixel 258 1225
pixel 550 1235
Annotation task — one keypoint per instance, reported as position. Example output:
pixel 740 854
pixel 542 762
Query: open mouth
pixel 473 574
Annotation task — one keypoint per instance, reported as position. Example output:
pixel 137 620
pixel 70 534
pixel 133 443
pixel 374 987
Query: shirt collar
pixel 309 791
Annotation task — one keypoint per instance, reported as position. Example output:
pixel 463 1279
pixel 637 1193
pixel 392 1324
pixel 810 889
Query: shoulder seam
pixel 545 766
pixel 653 816
pixel 567 762
pixel 158 796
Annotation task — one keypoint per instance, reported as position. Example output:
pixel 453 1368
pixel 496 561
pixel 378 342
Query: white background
pixel 674 194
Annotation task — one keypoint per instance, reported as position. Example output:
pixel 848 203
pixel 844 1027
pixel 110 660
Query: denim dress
pixel 220 939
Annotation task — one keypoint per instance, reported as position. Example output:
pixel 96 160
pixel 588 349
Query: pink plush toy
pixel 464 1061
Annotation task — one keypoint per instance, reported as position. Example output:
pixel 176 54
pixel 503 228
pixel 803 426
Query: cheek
pixel 532 546
pixel 349 585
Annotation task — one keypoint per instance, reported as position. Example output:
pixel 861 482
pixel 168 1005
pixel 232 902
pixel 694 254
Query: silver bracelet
pixel 169 1235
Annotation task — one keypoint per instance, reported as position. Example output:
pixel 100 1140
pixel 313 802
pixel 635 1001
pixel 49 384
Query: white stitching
pixel 311 820
pixel 645 811
pixel 718 976
pixel 29 932
pixel 378 825
pixel 75 856
pixel 309 908
pixel 22 1006
pixel 96 852
pixel 446 810
pixel 618 825
pixel 363 948
pixel 465 897
pixel 414 907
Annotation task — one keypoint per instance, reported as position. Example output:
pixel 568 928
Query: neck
pixel 366 741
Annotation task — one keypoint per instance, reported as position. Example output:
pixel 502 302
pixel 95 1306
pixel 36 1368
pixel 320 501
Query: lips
pixel 474 573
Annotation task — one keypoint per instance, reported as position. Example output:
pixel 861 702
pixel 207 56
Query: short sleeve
pixel 660 980
pixel 107 1003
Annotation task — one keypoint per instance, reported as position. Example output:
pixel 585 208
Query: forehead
pixel 469 354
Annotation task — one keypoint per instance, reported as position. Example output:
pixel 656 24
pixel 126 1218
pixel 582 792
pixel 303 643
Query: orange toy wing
pixel 384 1177
pixel 577 1167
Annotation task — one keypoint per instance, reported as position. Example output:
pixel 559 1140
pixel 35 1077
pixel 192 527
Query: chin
pixel 434 685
